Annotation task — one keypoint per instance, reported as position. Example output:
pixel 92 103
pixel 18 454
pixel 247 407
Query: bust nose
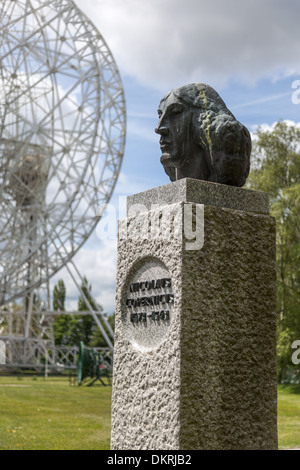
pixel 161 130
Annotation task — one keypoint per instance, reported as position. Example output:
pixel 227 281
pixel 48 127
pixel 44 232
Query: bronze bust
pixel 200 138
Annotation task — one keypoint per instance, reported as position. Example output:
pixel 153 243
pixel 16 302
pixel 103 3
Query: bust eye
pixel 176 110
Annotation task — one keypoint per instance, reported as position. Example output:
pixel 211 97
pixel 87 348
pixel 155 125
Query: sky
pixel 247 50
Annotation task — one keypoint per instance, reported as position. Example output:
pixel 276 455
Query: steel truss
pixel 38 350
pixel 63 126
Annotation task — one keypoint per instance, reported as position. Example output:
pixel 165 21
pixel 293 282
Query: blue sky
pixel 247 50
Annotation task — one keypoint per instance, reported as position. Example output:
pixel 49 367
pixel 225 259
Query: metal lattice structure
pixel 62 122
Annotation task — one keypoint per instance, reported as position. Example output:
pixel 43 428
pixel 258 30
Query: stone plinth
pixel 195 346
pixel 203 192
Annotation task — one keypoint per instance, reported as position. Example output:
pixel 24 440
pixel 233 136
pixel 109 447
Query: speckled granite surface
pixel 210 380
pixel 202 192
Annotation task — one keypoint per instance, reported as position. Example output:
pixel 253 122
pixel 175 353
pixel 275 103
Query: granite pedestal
pixel 195 345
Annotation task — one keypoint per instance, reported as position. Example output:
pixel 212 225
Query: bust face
pixel 173 128
pixel 200 138
pixel 179 146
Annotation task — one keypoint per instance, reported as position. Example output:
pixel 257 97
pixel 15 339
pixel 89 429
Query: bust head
pixel 200 138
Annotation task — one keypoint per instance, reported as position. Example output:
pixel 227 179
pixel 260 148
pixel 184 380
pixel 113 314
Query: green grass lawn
pixel 42 414
pixel 289 416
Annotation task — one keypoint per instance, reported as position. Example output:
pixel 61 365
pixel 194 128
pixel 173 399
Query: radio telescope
pixel 62 121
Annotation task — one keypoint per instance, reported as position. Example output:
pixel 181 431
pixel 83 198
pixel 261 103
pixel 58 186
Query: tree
pixel 87 323
pixel 97 338
pixel 62 323
pixel 70 330
pixel 276 170
pixel 59 296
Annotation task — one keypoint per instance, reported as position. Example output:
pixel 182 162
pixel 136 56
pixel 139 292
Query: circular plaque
pixel 148 304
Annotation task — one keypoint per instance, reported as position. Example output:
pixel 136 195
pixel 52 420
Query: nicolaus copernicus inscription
pixel 148 305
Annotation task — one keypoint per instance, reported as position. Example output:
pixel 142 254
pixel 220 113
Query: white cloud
pixel 265 127
pixel 98 264
pixel 165 43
